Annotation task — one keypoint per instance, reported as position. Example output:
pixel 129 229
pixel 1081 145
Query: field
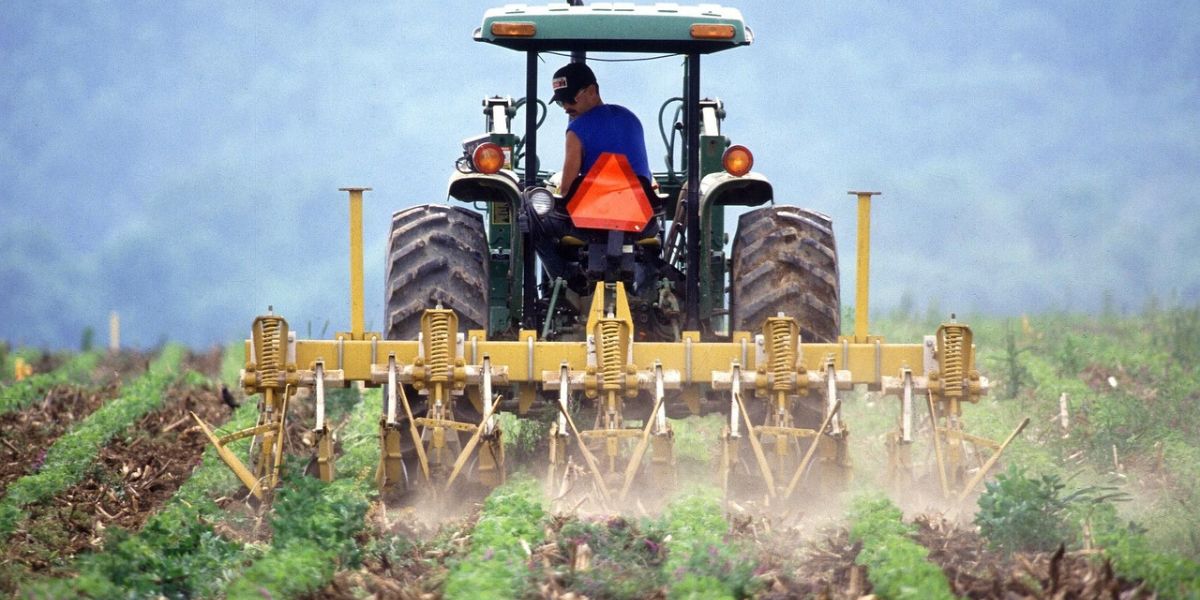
pixel 109 490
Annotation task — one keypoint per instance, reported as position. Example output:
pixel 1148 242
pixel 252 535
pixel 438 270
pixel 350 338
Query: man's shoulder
pixel 617 109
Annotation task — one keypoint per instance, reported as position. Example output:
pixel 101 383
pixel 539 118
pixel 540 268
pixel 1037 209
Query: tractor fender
pixel 723 189
pixel 479 187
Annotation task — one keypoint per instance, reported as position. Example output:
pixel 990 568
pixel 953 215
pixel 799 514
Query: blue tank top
pixel 611 128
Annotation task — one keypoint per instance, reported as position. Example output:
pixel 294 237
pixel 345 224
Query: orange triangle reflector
pixel 610 197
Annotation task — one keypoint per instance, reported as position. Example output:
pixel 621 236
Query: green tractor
pixel 652 317
pixel 674 268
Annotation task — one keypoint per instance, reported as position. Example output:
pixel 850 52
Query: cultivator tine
pixel 606 498
pixel 654 421
pixel 937 447
pixel 465 453
pixel 230 459
pixel 325 460
pixel 991 462
pixel 812 450
pixel 396 389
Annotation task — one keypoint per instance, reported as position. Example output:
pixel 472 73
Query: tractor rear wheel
pixel 436 255
pixel 785 260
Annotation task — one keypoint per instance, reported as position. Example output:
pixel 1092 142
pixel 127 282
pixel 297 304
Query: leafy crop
pixel 21 394
pixel 497 565
pixel 70 457
pixel 701 561
pixel 896 565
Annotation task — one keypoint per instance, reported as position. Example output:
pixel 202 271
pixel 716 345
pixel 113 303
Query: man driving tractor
pixel 595 128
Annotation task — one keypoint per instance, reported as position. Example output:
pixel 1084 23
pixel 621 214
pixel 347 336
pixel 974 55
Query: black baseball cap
pixel 569 80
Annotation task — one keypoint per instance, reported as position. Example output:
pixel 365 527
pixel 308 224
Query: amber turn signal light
pixel 488 158
pixel 712 32
pixel 510 29
pixel 737 161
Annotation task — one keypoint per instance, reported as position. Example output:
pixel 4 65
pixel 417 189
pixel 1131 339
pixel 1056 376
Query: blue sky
pixel 179 162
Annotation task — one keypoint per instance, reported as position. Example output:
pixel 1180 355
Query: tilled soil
pixel 974 571
pixel 790 564
pixel 27 433
pixel 133 476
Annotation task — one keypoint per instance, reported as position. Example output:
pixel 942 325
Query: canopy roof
pixel 616 27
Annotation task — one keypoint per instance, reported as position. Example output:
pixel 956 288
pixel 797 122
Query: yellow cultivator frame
pixel 610 368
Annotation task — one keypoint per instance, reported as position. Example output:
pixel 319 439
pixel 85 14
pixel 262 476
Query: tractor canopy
pixel 615 27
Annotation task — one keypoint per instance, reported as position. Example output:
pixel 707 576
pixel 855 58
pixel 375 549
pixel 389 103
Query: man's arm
pixel 572 161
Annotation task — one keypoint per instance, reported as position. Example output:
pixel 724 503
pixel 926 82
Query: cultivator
pixel 756 379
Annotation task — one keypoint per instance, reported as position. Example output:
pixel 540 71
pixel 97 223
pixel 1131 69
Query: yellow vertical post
pixel 114 331
pixel 356 261
pixel 862 289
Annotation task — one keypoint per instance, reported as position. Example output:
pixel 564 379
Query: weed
pixel 1022 513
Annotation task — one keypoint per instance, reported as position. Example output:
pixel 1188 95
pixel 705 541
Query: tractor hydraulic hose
pixel 558 285
pixel 669 144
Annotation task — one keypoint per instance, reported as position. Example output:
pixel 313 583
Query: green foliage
pixel 694 437
pixel 522 437
pixel 1133 557
pixel 1022 513
pixel 232 361
pixel 70 457
pixel 701 561
pixel 497 565
pixel 21 394
pixel 176 555
pixel 896 565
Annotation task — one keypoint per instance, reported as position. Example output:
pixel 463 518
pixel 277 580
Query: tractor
pixel 662 321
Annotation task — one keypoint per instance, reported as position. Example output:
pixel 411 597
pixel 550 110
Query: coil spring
pixel 437 358
pixel 610 355
pixel 269 361
pixel 952 360
pixel 783 355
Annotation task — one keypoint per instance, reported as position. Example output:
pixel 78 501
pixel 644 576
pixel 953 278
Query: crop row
pixel 316 524
pixel 896 564
pixel 20 394
pixel 509 525
pixel 702 562
pixel 176 553
pixel 70 457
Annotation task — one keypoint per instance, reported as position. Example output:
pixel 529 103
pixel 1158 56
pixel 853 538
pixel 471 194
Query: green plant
pixel 1018 512
pixel 896 565
pixel 497 565
pixel 627 557
pixel 1133 557
pixel 699 554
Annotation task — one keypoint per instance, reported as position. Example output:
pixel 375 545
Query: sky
pixel 179 163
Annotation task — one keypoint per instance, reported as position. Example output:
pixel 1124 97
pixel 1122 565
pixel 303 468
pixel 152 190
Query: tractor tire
pixel 437 254
pixel 785 261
